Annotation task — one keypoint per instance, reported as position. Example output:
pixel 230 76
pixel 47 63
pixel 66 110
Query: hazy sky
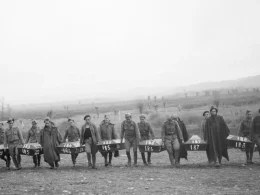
pixel 61 50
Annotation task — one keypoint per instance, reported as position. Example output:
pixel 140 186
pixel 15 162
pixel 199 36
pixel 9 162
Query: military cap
pixel 248 111
pixel 87 116
pixel 10 120
pixel 128 114
pixel 34 121
pixel 205 112
pixel 142 116
pixel 47 119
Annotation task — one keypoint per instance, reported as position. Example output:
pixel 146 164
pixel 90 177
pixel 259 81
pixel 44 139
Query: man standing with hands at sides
pixel 255 130
pixel 13 138
pixel 170 134
pixel 130 132
pixel 244 131
pixel 107 132
pixel 73 135
pixel 203 123
pixel 90 137
pixel 5 156
pixel 33 136
pixel 146 133
pixel 50 138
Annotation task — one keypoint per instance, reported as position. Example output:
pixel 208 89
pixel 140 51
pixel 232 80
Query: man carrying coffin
pixel 203 123
pixel 33 136
pixel 73 135
pixel 13 138
pixel 5 156
pixel 170 133
pixel 146 133
pixel 90 137
pixel 216 133
pixel 107 132
pixel 130 132
pixel 255 130
pixel 50 138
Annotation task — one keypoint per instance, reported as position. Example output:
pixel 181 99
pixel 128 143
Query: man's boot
pixel 149 158
pixel 110 158
pixel 19 161
pixel 94 161
pixel 89 159
pixel 129 158
pixel 135 158
pixel 57 164
pixel 39 160
pixel 247 157
pixel 177 159
pixel 171 159
pixel 35 161
pixel 8 162
pixel 143 158
pixel 105 157
pixel 73 159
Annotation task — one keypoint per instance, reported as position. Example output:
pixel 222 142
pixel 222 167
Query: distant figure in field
pixel 13 138
pixel 5 154
pixel 130 132
pixel 33 136
pixel 245 131
pixel 90 137
pixel 183 151
pixel 107 132
pixel 50 138
pixel 170 133
pixel 255 130
pixel 146 133
pixel 216 133
pixel 73 135
pixel 206 115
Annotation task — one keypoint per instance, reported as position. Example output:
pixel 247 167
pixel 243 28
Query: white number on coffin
pixel 148 148
pixel 149 142
pixel 26 146
pixel 66 150
pixel 242 139
pixel 196 141
pixel 240 145
pixel 67 145
pixel 194 147
pixel 107 142
pixel 25 151
pixel 106 147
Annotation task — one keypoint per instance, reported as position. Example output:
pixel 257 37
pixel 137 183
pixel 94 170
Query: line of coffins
pixel 195 143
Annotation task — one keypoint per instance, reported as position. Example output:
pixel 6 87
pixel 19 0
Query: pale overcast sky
pixel 62 50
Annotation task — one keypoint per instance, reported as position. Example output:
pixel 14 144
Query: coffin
pixel 195 143
pixel 30 149
pixel 234 141
pixel 155 145
pixel 71 148
pixel 111 145
pixel 2 149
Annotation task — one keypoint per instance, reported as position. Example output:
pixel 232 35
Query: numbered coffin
pixel 234 141
pixel 71 148
pixel 2 150
pixel 30 149
pixel 111 145
pixel 195 143
pixel 151 146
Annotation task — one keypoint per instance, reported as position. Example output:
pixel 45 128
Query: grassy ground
pixel 194 176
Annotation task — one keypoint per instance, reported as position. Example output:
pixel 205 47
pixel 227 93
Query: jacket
pixel 94 133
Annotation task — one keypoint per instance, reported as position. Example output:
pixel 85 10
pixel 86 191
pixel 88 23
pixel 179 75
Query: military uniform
pixel 12 138
pixel 5 155
pixel 146 133
pixel 130 132
pixel 244 131
pixel 255 131
pixel 107 132
pixel 170 133
pixel 33 136
pixel 73 135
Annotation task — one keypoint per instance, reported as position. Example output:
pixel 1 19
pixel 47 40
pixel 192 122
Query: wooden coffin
pixel 111 145
pixel 71 148
pixel 155 145
pixel 195 143
pixel 235 141
pixel 30 149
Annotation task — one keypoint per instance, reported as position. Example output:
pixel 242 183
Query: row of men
pixel 173 134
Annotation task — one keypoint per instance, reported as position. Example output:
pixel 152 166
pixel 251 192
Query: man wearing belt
pixel 90 137
pixel 5 155
pixel 12 138
pixel 170 133
pixel 146 132
pixel 130 132
pixel 33 136
pixel 73 135
pixel 107 132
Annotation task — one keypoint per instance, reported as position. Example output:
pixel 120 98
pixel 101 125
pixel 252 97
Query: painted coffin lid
pixel 195 139
pixel 113 141
pixel 195 143
pixel 238 138
pixel 69 145
pixel 30 146
pixel 155 142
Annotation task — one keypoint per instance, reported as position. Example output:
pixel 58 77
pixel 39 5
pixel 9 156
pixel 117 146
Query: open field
pixel 194 176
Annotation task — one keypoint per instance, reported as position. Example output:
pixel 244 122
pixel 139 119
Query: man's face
pixel 106 119
pixel 88 120
pixel 142 119
pixel 11 124
pixel 206 115
pixel 71 123
pixel 128 118
pixel 47 123
pixel 214 112
pixel 249 115
pixel 34 125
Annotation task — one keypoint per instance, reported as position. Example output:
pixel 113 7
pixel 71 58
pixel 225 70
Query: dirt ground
pixel 194 176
